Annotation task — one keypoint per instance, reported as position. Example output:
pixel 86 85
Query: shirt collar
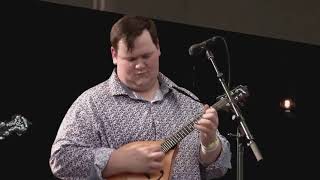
pixel 118 88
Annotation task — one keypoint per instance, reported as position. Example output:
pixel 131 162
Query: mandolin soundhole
pixel 159 178
pixel 161 174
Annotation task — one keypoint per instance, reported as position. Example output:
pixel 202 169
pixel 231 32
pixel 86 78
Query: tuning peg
pixel 2 124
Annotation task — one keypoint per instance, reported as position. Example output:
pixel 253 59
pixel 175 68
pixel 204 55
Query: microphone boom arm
pixel 244 130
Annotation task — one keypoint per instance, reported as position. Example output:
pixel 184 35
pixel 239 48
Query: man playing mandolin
pixel 139 124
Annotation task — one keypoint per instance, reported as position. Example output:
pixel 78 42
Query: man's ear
pixel 114 55
pixel 158 47
pixel 159 52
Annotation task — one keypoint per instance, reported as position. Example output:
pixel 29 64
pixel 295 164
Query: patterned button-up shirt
pixel 109 115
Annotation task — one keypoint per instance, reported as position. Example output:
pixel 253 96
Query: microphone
pixel 199 48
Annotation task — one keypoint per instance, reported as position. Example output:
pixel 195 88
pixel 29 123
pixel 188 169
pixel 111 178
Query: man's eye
pixel 131 59
pixel 146 56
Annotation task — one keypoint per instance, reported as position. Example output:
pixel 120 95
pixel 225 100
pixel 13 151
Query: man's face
pixel 138 69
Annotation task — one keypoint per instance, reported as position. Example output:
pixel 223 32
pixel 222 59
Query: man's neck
pixel 150 94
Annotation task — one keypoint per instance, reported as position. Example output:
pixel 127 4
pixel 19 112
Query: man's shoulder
pixel 95 92
pixel 186 92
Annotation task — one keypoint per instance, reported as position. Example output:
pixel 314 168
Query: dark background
pixel 51 53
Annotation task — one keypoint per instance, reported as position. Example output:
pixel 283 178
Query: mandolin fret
pixel 172 141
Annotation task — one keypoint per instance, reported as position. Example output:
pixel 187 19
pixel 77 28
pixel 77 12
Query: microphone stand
pixel 242 128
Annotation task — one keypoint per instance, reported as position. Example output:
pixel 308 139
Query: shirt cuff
pixel 219 167
pixel 101 158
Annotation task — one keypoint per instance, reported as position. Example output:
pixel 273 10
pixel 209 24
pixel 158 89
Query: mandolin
pixel 169 145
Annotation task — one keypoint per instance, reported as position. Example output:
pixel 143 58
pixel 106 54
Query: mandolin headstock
pixel 18 124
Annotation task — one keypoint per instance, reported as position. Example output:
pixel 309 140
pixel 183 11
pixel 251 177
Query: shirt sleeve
pixel 77 152
pixel 222 164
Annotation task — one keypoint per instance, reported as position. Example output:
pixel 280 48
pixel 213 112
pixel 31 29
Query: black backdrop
pixel 51 53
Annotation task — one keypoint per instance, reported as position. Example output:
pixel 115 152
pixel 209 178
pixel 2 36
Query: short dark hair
pixel 129 28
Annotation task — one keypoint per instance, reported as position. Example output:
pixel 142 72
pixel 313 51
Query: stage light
pixel 287 104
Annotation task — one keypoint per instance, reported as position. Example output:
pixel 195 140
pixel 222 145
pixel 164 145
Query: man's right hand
pixel 135 158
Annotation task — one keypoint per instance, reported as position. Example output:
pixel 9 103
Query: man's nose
pixel 141 63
